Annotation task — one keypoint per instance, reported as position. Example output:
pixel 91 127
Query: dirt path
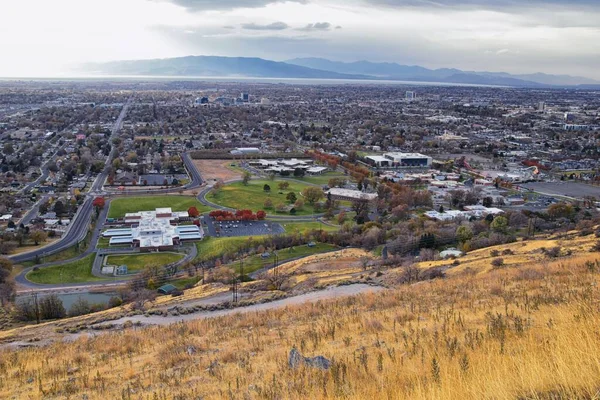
pixel 329 293
pixel 311 297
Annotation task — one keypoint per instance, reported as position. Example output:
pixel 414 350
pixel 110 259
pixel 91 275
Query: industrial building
pixel 153 230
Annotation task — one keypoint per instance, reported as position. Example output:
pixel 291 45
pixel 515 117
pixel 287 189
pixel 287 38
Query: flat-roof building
pixel 350 195
pixel 153 230
pixel 378 161
pixel 409 160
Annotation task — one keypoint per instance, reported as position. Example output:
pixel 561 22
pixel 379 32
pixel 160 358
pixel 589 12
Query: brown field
pixel 526 330
pixel 216 169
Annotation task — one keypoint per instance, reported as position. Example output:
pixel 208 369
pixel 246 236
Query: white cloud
pixel 475 37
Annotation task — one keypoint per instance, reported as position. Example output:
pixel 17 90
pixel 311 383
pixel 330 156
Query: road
pixel 79 224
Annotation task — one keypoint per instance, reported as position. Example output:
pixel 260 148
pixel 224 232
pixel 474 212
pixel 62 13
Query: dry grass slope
pixel 523 331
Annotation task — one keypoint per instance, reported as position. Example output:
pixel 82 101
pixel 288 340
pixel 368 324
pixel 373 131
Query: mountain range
pixel 320 68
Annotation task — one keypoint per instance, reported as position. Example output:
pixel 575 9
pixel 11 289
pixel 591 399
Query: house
pixel 125 178
pixel 166 289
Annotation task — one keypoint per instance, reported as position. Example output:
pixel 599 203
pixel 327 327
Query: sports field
pixel 252 196
pixel 119 207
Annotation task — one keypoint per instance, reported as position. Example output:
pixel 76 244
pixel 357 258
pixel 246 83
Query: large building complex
pixel 154 230
pixel 396 160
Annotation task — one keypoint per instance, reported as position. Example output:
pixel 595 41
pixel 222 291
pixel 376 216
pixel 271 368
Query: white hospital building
pixel 154 230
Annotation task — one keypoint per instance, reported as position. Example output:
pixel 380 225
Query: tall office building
pixel 410 95
pixel 541 106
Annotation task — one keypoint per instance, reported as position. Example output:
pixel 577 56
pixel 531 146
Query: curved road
pixel 79 226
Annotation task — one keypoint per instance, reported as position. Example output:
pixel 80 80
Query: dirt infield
pixel 216 169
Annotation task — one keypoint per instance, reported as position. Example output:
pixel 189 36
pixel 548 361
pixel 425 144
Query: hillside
pixel 524 329
pixel 208 66
pixel 320 68
pixel 386 70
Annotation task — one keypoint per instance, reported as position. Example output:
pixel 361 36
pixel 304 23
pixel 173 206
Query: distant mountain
pixel 416 73
pixel 320 68
pixel 213 66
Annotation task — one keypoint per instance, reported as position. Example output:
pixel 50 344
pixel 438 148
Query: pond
pixel 69 298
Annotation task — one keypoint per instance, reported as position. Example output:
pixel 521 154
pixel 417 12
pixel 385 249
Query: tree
pixel 427 241
pixel 59 208
pixel 7 284
pixel 98 204
pixel 312 194
pixel 499 224
pixel 8 149
pixel 38 236
pixel 291 197
pixel 361 208
pixel 268 204
pixel 246 177
pixel 487 201
pixel 299 204
pixel 216 189
pixel 283 185
pixel 464 233
pixel 51 307
pixel 266 188
pixel 193 212
pixel 560 210
pixel 80 307
pixel 260 215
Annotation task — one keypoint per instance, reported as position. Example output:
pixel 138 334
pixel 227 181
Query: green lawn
pixel 138 262
pixel 302 227
pixel 122 205
pixel 323 179
pixel 75 272
pixel 211 247
pixel 252 196
pixel 66 254
pixel 256 262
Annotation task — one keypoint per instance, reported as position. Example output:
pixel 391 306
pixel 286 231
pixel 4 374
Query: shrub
pixel 553 252
pixel 497 262
pixel 494 253
pixel 115 301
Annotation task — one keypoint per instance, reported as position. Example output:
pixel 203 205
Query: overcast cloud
pixel 275 26
pixel 551 36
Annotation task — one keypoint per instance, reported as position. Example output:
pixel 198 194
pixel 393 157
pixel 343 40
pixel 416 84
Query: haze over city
pixel 41 38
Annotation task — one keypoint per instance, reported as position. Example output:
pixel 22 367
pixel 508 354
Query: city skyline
pixel 552 37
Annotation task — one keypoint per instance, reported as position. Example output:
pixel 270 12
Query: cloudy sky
pixel 45 37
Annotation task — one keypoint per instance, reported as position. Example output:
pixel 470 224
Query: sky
pixel 49 37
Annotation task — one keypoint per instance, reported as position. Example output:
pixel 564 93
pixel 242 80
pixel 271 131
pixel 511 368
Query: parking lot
pixel 241 228
pixel 571 189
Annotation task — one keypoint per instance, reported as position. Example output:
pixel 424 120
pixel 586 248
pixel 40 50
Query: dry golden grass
pixel 524 331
